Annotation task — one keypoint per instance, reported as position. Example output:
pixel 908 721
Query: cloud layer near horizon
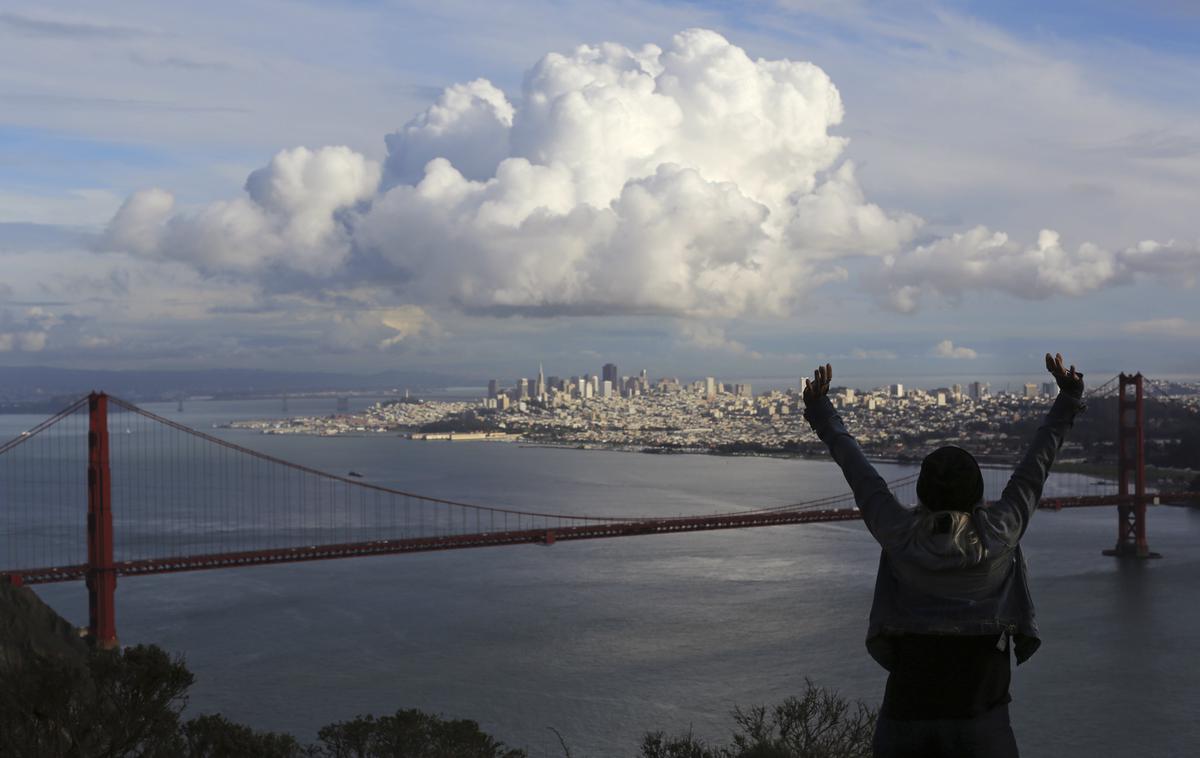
pixel 688 180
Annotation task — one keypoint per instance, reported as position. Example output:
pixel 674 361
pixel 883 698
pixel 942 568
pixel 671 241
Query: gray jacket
pixel 949 572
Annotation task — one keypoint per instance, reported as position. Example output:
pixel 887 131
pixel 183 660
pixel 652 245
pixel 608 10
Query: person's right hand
pixel 817 387
pixel 1069 380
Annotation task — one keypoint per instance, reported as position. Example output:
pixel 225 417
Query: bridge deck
pixel 514 537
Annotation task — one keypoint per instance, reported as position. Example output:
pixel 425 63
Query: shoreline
pixel 1104 472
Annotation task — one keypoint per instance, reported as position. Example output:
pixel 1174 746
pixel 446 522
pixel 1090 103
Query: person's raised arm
pixel 1010 516
pixel 886 519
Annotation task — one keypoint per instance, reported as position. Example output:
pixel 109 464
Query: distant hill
pixel 36 384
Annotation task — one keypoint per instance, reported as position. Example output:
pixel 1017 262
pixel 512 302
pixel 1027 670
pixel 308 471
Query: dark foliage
pixel 113 704
pixel 658 745
pixel 127 704
pixel 214 736
pixel 819 724
pixel 1172 432
pixel 412 734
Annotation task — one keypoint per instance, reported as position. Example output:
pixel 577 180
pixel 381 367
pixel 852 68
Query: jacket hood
pixel 945 539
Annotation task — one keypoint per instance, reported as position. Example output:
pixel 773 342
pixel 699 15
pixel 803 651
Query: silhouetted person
pixel 951 593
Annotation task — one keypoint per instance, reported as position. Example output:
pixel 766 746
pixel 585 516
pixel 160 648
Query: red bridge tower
pixel 1131 471
pixel 101 575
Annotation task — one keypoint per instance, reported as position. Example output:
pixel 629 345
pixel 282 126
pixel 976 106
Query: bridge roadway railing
pixel 669 525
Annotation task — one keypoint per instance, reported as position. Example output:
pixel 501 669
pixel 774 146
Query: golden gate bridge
pixel 106 489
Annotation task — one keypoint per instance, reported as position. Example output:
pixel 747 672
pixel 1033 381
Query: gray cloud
pixel 71 30
pixel 180 62
pixel 982 260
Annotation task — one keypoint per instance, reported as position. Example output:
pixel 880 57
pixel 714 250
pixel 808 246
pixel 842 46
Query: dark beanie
pixel 950 480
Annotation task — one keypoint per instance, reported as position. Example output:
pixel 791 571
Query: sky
pixel 740 189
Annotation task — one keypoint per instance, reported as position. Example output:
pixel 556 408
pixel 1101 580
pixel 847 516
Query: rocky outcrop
pixel 30 629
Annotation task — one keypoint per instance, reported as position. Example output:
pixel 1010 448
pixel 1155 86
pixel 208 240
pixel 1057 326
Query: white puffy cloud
pixel 691 179
pixel 289 217
pixel 468 125
pixel 981 259
pixel 688 180
pixel 1170 261
pixel 947 349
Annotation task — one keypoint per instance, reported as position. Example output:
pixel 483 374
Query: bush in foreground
pixel 410 733
pixel 819 724
pixel 129 703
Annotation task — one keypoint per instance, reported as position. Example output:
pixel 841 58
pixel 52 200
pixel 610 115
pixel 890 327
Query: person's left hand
pixel 817 387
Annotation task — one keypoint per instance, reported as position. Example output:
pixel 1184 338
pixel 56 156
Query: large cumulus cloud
pixel 687 180
pixel 691 179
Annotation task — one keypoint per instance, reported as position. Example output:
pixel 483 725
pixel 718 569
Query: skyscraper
pixel 609 374
pixel 540 389
pixel 493 387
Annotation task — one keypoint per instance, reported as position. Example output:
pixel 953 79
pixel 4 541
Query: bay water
pixel 605 640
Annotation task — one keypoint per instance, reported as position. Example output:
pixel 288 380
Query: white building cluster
pixel 611 410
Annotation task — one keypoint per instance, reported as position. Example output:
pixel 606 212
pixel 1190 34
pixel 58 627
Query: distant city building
pixel 1031 390
pixel 896 390
pixel 609 374
pixel 493 388
pixel 979 390
pixel 710 388
pixel 743 390
pixel 606 388
pixel 1049 389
